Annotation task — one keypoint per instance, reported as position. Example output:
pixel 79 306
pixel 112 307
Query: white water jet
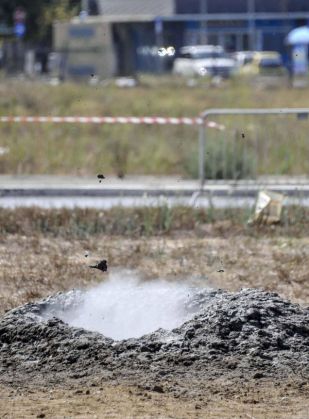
pixel 124 306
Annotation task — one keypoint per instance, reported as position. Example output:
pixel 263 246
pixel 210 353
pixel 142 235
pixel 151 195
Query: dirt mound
pixel 251 333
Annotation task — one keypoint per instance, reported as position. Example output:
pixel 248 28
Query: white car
pixel 203 60
pixel 243 57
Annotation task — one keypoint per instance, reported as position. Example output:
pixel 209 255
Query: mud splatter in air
pixel 100 177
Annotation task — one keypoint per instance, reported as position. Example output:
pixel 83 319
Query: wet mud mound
pixel 252 334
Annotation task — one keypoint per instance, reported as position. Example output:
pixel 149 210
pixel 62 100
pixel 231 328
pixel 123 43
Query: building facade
pixel 242 24
pixel 137 28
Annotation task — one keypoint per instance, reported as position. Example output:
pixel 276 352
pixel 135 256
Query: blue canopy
pixel 298 36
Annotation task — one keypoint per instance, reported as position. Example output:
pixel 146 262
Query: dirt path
pixel 120 401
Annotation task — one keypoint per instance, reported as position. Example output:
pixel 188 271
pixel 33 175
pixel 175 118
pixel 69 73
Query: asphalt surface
pixel 70 191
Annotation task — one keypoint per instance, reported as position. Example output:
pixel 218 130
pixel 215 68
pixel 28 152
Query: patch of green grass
pixel 145 221
pixel 270 145
pixel 224 160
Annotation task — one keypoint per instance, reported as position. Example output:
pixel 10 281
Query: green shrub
pixel 224 160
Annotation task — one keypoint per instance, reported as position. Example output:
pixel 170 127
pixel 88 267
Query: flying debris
pixel 102 266
pixel 100 177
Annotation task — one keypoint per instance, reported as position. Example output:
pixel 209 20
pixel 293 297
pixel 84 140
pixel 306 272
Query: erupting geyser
pixel 208 335
pixel 124 307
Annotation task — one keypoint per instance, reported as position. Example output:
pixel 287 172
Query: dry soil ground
pixel 34 267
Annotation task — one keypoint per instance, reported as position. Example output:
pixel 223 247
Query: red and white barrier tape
pixel 148 120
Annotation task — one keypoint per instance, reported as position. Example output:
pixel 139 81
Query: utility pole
pixel 159 39
pixel 19 17
pixel 251 22
pixel 203 25
pixel 85 5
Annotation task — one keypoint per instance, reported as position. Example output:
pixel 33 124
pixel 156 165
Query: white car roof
pixel 201 48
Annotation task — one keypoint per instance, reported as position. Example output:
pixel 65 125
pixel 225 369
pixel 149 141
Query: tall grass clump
pixel 143 221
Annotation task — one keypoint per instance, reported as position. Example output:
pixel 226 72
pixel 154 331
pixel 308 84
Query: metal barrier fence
pixel 244 159
pixel 138 139
pixel 229 154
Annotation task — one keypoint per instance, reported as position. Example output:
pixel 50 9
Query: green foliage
pixel 144 221
pixel 57 10
pixel 40 15
pixel 224 159
pixel 269 146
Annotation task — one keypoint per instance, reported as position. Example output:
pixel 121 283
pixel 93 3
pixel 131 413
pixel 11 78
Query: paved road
pixel 64 191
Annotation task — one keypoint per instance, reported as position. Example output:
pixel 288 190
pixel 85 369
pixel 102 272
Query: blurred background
pixel 169 58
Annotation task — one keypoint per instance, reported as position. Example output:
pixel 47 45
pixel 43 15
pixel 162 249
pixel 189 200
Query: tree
pixel 40 15
pixel 58 10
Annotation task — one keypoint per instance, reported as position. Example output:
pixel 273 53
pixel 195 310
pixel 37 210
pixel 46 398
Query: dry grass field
pixel 279 144
pixel 36 266
pixel 105 401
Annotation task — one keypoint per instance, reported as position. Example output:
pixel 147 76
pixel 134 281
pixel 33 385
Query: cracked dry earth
pixel 243 354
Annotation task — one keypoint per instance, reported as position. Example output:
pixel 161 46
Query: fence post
pixel 202 153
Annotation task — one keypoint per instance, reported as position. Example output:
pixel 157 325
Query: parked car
pixel 203 60
pixel 263 63
pixel 243 57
